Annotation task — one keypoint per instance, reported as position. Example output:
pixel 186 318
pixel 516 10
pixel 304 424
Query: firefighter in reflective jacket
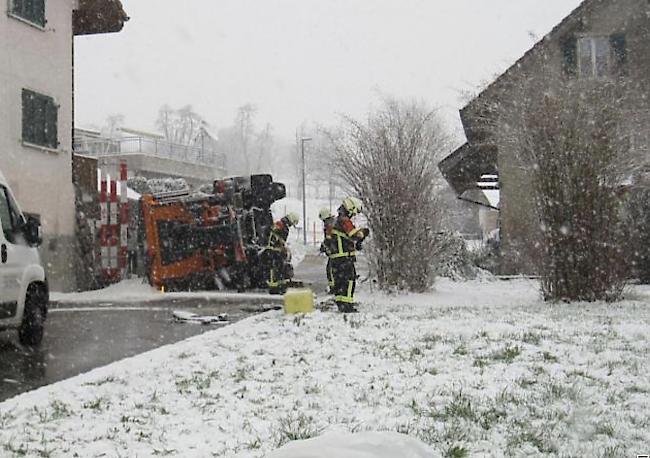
pixel 327 247
pixel 276 255
pixel 346 240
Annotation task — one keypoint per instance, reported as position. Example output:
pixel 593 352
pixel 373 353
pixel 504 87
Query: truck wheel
pixel 30 332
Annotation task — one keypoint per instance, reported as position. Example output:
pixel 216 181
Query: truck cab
pixel 24 293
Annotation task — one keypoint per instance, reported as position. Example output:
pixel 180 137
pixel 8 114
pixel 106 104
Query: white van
pixel 24 293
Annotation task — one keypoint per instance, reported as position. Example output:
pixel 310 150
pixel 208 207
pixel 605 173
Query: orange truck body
pixel 209 241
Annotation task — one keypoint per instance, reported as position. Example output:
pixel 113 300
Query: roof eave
pixel 98 16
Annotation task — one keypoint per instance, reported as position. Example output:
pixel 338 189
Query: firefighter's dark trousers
pixel 330 276
pixel 275 265
pixel 345 280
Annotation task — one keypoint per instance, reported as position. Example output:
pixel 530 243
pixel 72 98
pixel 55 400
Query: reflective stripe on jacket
pixel 278 237
pixel 345 235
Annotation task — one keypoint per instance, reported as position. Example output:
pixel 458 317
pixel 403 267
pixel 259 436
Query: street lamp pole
pixel 304 197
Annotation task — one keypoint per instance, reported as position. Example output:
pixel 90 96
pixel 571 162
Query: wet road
pixel 81 337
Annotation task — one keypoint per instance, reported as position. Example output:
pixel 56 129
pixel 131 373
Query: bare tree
pixel 245 148
pixel 244 123
pixel 577 168
pixel 390 161
pixel 320 157
pixel 264 145
pixel 110 130
pixel 112 125
pixel 180 126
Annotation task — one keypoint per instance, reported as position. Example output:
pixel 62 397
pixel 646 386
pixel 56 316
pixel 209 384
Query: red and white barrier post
pixel 103 228
pixel 115 230
pixel 124 219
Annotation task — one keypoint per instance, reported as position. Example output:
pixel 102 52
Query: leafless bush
pixel 569 143
pixel 390 161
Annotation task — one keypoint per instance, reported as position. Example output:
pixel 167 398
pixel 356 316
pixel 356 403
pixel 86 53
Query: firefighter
pixel 326 247
pixel 346 239
pixel 277 254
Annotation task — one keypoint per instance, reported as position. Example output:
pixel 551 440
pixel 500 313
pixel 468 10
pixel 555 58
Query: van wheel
pixel 31 329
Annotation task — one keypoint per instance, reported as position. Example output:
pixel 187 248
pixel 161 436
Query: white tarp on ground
pixel 385 444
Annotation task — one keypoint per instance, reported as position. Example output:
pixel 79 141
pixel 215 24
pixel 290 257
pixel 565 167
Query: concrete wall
pixel 542 71
pixel 40 59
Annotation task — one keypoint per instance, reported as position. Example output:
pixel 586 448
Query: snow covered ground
pixel 471 369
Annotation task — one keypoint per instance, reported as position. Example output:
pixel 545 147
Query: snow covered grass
pixel 472 369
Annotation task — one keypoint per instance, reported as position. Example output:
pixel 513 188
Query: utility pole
pixel 304 199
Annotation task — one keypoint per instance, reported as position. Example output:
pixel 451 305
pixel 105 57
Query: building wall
pixel 542 72
pixel 40 59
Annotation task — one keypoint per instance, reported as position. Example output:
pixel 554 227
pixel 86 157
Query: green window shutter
pixel 39 12
pixel 40 119
pixel 570 53
pixel 619 50
pixel 28 117
pixel 51 124
pixel 30 10
pixel 18 8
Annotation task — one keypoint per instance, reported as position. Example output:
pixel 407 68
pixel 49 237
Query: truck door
pixel 13 255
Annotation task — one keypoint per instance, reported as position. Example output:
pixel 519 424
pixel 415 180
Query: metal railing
pixel 150 146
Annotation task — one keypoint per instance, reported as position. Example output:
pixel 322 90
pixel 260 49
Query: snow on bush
pixel 390 162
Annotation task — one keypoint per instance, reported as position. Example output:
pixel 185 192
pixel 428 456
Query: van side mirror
pixel 32 230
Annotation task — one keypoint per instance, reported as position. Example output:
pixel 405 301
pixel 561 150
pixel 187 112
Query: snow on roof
pixel 87 131
pixel 493 196
pixel 141 133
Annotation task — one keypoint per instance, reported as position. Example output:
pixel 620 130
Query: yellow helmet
pixel 324 213
pixel 292 219
pixel 352 205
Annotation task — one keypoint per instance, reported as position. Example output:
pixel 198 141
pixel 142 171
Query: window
pixel 30 10
pixel 10 217
pixel 597 56
pixel 594 57
pixel 40 125
pixel 640 140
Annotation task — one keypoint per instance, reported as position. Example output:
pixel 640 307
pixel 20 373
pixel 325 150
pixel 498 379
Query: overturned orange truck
pixel 210 241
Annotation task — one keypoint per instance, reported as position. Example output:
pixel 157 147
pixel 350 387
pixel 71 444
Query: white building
pixel 36 106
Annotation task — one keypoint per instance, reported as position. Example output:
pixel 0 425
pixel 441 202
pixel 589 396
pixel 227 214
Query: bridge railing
pixel 151 147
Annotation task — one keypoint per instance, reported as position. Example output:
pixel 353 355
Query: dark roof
pixel 98 16
pixel 464 167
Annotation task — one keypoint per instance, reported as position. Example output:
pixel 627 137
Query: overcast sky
pixel 300 60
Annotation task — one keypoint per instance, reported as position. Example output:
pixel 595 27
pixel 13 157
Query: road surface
pixel 81 337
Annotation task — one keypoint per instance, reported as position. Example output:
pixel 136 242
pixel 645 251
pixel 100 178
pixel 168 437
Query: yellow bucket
pixel 299 301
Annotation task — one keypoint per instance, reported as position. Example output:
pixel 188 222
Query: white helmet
pixel 292 219
pixel 324 213
pixel 352 205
